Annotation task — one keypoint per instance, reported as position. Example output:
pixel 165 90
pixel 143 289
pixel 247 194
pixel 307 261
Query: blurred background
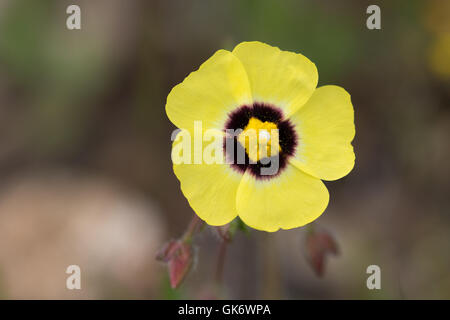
pixel 85 169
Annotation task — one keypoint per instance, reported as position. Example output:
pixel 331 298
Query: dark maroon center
pixel 238 119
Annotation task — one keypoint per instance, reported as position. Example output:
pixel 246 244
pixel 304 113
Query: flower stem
pixel 226 238
pixel 221 261
pixel 195 224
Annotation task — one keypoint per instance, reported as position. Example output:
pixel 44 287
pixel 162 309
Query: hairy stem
pixel 193 226
pixel 226 238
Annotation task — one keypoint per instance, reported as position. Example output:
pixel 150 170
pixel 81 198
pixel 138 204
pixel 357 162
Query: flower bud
pixel 319 243
pixel 178 256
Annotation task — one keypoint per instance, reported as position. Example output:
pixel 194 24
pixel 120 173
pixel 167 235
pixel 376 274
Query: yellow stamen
pixel 258 139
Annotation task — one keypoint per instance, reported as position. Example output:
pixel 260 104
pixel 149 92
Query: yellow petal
pixel 282 78
pixel 290 200
pixel 209 188
pixel 210 93
pixel 325 127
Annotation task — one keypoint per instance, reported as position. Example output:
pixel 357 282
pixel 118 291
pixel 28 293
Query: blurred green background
pixel 85 169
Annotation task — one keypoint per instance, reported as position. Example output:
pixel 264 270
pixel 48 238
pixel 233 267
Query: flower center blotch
pixel 262 136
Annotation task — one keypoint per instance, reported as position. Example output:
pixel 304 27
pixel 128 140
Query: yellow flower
pixel 259 87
